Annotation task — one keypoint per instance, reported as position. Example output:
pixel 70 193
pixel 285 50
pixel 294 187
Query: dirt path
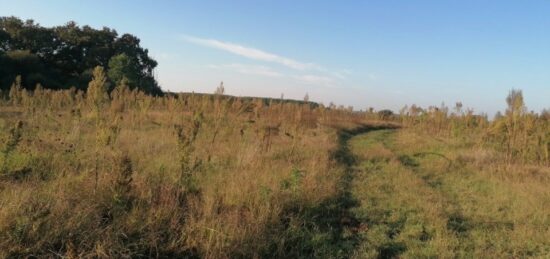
pixel 416 202
pixel 410 195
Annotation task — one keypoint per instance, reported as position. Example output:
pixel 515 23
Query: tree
pixel 129 44
pixel 458 108
pixel 514 113
pixel 64 56
pixel 385 114
pixel 220 90
pixel 516 106
pixel 4 38
pixel 121 66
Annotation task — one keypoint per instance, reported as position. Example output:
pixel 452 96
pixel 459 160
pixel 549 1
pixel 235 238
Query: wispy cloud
pixel 249 69
pixel 310 73
pixel 251 53
pixel 259 70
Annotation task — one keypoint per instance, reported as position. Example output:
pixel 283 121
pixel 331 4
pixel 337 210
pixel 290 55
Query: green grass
pixel 419 201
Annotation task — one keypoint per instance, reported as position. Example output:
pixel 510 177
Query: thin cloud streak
pixel 249 69
pixel 259 70
pixel 310 71
pixel 252 53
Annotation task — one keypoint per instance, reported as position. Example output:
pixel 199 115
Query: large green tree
pixel 65 56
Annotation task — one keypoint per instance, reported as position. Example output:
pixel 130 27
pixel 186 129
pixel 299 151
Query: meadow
pixel 116 173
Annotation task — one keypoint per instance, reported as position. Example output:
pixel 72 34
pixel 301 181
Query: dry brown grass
pixel 110 178
pixel 132 175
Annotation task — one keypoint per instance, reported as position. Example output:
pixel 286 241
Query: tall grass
pixel 523 136
pixel 124 174
pixel 127 174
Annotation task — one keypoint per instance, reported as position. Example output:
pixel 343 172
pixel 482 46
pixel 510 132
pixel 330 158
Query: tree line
pixel 62 57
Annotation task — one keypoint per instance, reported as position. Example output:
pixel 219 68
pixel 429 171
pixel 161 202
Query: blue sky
pixel 383 54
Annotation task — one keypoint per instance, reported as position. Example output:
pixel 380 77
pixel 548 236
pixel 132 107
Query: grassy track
pixel 420 198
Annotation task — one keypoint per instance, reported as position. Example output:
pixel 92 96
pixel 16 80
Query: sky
pixel 381 54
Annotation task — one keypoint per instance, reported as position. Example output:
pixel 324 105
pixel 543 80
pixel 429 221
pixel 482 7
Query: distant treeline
pixel 267 101
pixel 62 57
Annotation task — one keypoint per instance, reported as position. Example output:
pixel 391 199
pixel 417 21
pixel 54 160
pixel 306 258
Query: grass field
pixel 423 197
pixel 195 176
pixel 124 174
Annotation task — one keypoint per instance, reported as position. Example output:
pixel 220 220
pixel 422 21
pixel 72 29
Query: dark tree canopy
pixel 385 114
pixel 65 56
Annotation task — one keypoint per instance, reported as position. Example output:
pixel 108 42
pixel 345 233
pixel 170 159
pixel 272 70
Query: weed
pixel 14 137
pixel 123 181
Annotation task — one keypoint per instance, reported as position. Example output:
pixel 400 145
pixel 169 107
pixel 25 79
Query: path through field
pixel 416 202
